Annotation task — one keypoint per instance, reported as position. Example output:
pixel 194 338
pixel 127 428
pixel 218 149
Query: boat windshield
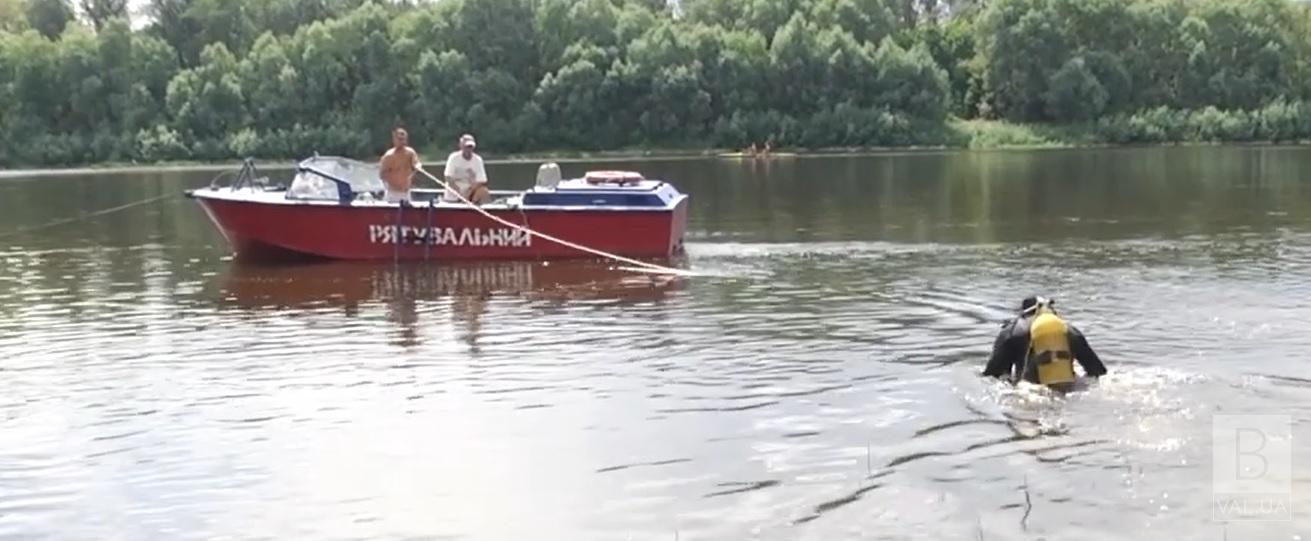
pixel 334 178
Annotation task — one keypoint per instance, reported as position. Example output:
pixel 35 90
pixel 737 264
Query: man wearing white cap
pixel 465 172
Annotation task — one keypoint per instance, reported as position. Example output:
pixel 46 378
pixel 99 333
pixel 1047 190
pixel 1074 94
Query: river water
pixel 820 384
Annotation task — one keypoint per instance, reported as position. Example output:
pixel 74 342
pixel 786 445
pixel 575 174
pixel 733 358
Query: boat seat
pixel 548 175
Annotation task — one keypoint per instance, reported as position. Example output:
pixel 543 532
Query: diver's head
pixel 1032 304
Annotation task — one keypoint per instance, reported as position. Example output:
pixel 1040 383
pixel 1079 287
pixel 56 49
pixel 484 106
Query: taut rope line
pixel 85 216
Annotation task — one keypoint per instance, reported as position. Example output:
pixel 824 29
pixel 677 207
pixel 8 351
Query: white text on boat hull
pixel 450 236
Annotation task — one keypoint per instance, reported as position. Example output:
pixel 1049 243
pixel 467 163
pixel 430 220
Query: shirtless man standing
pixel 398 167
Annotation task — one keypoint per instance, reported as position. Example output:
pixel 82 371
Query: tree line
pixel 217 79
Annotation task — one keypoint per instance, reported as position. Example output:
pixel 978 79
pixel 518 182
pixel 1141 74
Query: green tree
pixel 1021 43
pixel 13 15
pixel 278 78
pixel 498 34
pixel 82 72
pixel 738 76
pixel 172 22
pixel 1156 55
pixel 564 23
pixel 442 92
pixel 271 84
pixel 795 68
pixel 1113 77
pixel 191 25
pixel 868 21
pixel 49 17
pixel 764 16
pixel 133 77
pixel 319 54
pixel 573 98
pixel 283 17
pixel 910 82
pixel 100 12
pixel 223 21
pixel 1074 93
pixel 951 44
pixel 207 101
pixel 36 85
pixel 154 64
pixel 1248 52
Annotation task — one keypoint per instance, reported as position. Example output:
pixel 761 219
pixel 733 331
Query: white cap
pixel 466 140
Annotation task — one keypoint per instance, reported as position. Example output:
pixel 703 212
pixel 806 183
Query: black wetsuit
pixel 1012 345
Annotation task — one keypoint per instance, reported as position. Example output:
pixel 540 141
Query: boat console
pixel 602 189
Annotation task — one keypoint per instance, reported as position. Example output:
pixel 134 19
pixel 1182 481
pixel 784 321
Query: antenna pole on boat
pixel 396 248
pixel 427 235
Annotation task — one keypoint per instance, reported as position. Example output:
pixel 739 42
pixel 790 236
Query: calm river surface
pixel 820 385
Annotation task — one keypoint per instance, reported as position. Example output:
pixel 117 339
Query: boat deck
pixel 503 200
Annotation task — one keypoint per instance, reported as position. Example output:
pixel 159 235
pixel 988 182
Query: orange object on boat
pixel 613 177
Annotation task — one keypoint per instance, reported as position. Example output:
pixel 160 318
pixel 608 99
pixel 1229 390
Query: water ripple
pixel 819 390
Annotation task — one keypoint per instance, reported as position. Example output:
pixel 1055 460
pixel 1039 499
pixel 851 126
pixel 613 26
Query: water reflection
pixel 348 284
pixel 406 287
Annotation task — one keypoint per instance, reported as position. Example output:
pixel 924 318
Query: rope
pixel 523 217
pixel 648 267
pixel 101 212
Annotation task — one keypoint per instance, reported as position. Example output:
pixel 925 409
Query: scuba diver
pixel 1040 347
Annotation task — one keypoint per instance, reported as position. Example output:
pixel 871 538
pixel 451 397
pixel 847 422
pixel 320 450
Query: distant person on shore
pixel 465 172
pixel 397 166
pixel 1040 347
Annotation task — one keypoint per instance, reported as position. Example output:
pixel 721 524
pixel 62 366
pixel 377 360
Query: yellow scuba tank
pixel 1049 349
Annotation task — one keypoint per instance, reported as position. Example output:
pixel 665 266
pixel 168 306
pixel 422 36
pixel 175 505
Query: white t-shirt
pixel 463 173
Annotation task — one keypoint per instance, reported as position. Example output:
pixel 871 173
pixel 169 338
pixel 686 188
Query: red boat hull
pixel 260 230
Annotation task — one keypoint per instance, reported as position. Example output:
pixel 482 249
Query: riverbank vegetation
pixel 220 79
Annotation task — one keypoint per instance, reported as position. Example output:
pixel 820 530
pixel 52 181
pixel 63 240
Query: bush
pixel 1231 126
pixel 243 144
pixel 1283 121
pixel 335 141
pixel 1278 121
pixel 106 146
pixel 51 149
pixel 743 128
pixel 209 149
pixel 275 144
pixel 1074 93
pixel 992 134
pixel 1206 125
pixel 161 144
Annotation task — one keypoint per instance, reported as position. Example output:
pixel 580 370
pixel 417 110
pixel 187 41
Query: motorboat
pixel 333 208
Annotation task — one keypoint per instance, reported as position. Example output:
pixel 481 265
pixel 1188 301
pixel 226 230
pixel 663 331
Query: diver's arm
pixel 1084 353
pixel 1002 359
